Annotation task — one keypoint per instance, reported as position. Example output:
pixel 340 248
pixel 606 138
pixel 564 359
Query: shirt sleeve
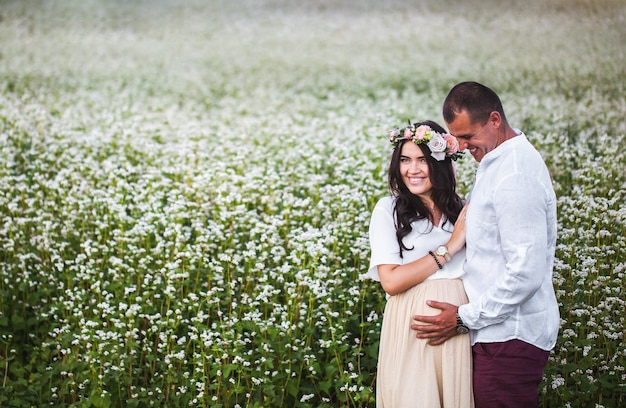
pixel 382 235
pixel 521 208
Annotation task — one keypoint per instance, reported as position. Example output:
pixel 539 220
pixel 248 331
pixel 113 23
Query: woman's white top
pixel 424 237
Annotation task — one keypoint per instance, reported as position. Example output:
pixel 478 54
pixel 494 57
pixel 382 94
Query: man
pixel 512 312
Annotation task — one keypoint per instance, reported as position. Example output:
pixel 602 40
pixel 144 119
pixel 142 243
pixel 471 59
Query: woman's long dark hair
pixel 410 207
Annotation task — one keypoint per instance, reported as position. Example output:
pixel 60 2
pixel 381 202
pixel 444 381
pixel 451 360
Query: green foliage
pixel 187 189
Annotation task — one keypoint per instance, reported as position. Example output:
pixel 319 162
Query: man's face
pixel 478 139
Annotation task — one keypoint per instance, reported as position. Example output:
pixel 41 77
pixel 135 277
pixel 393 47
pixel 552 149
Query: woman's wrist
pixel 444 253
pixel 435 257
pixel 453 249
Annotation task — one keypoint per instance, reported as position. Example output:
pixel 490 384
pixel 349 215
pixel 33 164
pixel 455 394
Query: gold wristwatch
pixel 443 252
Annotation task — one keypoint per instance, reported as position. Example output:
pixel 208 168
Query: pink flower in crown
pixel 408 133
pixel 421 132
pixel 453 144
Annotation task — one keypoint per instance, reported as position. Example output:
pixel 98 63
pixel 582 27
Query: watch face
pixel 443 251
pixel 462 330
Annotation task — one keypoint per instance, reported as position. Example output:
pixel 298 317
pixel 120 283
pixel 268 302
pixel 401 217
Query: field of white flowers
pixel 186 189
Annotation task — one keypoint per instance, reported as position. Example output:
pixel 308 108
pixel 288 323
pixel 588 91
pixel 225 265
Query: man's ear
pixel 495 119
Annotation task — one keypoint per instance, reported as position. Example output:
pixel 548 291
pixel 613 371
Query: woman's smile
pixel 416 180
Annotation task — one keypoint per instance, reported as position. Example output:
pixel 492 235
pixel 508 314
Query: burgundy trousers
pixel 507 374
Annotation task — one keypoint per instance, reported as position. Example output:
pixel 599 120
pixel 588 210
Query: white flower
pixel 557 382
pixel 306 397
pixel 437 146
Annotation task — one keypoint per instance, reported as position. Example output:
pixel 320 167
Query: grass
pixel 187 189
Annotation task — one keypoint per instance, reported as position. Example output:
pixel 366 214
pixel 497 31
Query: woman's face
pixel 414 170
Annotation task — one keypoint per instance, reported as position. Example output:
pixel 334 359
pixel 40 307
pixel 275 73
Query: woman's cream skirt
pixel 412 373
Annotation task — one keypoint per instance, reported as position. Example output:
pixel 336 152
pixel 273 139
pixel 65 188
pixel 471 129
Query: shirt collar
pixel 503 148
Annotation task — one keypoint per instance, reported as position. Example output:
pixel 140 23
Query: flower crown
pixel 440 145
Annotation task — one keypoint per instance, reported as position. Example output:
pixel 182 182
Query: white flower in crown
pixel 437 146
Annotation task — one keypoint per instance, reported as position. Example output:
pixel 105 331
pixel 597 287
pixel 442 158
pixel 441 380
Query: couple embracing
pixel 471 313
